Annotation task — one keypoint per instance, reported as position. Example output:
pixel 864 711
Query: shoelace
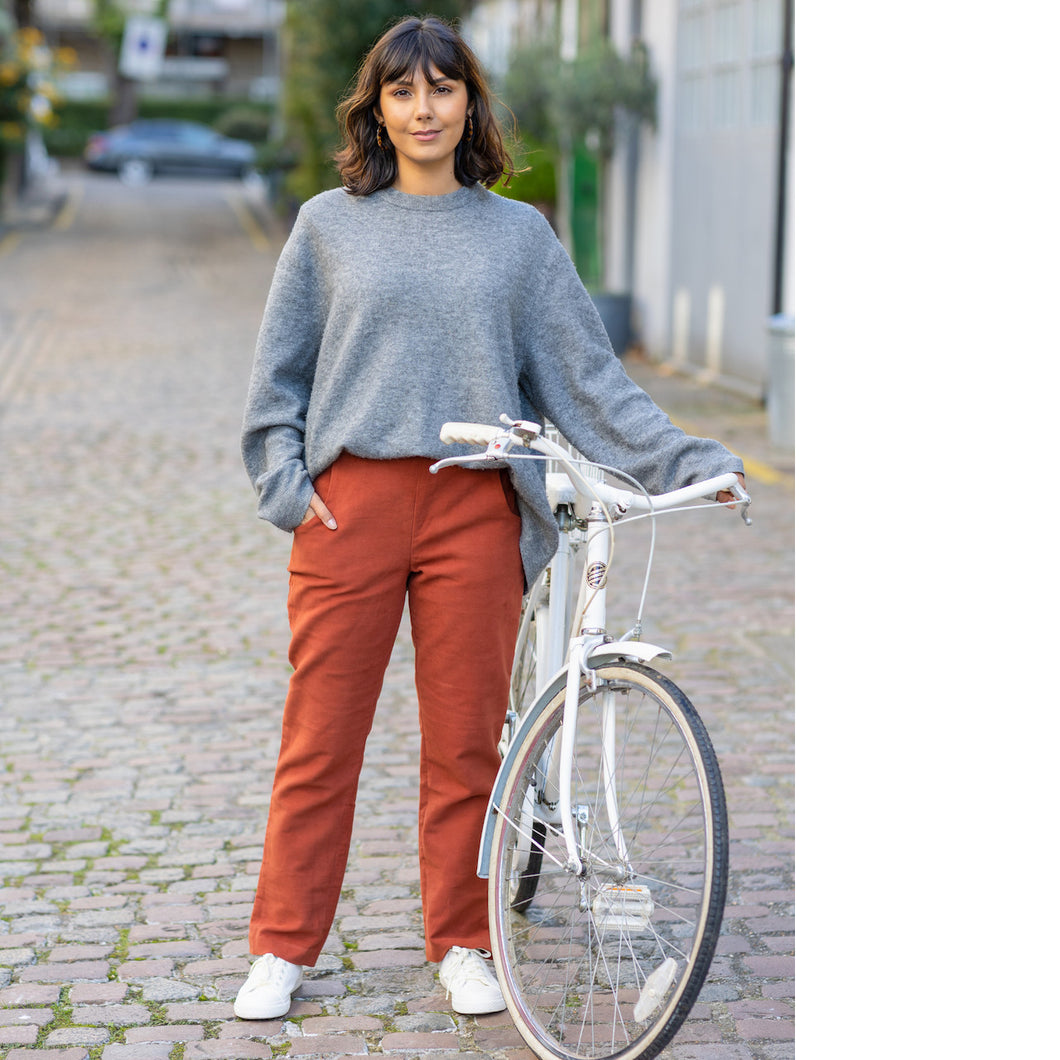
pixel 472 965
pixel 264 971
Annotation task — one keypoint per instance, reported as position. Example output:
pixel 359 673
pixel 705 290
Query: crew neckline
pixel 451 200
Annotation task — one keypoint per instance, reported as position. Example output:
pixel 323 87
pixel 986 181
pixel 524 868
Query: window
pixel 767 44
pixel 692 78
pixel 729 56
pixel 726 51
pixel 725 36
pixel 767 27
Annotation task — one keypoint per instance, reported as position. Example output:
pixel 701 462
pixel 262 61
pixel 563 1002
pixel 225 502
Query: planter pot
pixel 616 311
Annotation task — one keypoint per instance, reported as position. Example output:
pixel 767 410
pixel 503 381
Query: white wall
pixel 690 211
pixel 652 265
pixel 706 186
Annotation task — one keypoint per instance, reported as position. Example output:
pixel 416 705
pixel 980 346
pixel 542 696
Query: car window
pixel 152 130
pixel 196 135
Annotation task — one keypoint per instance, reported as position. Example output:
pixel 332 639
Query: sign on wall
pixel 142 47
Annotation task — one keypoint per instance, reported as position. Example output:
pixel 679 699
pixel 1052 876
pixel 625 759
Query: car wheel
pixel 135 171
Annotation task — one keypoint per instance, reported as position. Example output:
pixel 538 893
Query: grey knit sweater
pixel 390 314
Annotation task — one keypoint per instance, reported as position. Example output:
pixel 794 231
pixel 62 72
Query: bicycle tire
pixel 522 689
pixel 574 965
pixel 524 884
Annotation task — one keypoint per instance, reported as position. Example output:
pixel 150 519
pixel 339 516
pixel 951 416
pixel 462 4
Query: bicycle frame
pixel 600 655
pixel 592 634
pixel 590 646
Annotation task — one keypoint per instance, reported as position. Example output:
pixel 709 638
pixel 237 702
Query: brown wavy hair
pixel 411 46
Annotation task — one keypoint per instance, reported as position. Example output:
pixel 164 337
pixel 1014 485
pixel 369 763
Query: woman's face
pixel 425 123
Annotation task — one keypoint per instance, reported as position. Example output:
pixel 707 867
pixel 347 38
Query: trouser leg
pixel 464 599
pixel 346 598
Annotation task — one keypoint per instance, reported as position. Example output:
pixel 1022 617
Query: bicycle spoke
pixel 527 833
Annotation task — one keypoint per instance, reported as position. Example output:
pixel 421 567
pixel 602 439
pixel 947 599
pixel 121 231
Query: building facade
pixel 214 47
pixel 695 211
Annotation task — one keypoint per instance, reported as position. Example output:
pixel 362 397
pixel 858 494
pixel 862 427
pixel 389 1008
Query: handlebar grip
pixel 469 433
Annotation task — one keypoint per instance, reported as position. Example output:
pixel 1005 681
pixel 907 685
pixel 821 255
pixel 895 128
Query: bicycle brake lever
pixel 449 461
pixel 526 430
pixel 743 499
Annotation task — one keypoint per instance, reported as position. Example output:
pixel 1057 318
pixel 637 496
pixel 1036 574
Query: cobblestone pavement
pixel 143 669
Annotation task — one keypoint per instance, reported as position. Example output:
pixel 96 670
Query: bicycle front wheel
pixel 609 963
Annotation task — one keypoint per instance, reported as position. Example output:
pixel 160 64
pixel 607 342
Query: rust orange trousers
pixel 450 543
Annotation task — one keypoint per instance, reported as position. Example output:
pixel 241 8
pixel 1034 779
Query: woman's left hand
pixel 725 496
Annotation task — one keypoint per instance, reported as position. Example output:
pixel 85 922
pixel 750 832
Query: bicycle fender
pixel 601 655
pixel 627 649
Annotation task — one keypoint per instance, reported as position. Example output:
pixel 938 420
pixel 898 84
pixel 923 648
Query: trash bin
pixel 616 311
pixel 780 396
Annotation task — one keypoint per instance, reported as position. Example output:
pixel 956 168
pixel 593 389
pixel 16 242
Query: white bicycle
pixel 606 842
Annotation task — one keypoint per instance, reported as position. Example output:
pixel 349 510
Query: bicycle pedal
pixel 627 907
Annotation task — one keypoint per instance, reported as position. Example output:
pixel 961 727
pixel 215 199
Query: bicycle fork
pixel 574 820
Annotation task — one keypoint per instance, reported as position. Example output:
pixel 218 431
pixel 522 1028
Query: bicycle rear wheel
pixel 521 694
pixel 610 963
pixel 523 690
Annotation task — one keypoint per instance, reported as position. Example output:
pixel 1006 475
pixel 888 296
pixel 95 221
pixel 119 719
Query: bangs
pixel 433 48
pixel 414 52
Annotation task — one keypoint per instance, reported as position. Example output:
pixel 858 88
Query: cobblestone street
pixel 143 669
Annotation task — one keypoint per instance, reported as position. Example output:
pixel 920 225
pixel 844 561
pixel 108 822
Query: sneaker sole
pixel 479 1010
pixel 248 1011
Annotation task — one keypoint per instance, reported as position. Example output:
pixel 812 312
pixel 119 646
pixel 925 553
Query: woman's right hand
pixel 319 509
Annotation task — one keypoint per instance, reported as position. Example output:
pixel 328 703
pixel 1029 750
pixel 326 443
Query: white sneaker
pixel 267 992
pixel 470 982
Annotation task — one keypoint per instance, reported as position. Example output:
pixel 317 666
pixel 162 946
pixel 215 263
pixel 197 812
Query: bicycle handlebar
pixel 498 442
pixel 469 433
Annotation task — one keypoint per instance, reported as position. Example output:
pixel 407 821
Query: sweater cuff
pixel 284 496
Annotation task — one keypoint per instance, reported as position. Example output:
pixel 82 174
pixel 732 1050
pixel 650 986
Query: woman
pixel 409 297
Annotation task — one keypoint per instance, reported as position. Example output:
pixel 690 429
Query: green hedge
pixel 537 182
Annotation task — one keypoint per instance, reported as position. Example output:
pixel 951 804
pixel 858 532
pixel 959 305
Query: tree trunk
pixel 126 100
pixel 11 166
pixel 565 196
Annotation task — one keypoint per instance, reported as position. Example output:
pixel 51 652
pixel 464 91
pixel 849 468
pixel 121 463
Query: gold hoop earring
pixel 470 129
pixel 379 136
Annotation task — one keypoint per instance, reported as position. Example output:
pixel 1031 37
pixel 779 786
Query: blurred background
pixel 657 138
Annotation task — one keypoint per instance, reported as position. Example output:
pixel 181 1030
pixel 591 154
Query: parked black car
pixel 139 150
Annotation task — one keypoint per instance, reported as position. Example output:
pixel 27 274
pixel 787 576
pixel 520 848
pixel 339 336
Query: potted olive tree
pixel 567 113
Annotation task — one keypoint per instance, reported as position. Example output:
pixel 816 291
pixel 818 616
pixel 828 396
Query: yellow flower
pixel 30 36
